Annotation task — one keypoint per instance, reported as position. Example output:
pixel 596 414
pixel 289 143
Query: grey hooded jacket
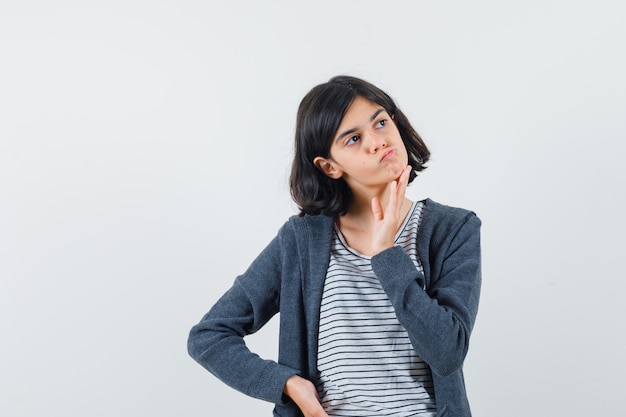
pixel 437 307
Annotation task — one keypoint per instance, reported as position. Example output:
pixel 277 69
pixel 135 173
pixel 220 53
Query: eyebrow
pixel 354 129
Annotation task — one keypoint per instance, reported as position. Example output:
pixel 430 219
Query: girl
pixel 377 294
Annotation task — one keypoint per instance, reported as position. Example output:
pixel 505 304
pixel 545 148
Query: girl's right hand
pixel 303 393
pixel 389 219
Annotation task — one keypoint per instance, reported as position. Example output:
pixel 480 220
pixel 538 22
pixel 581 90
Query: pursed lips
pixel 388 154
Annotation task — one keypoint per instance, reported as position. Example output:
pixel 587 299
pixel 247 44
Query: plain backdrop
pixel 145 148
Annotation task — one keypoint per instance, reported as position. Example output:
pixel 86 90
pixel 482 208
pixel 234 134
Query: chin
pixel 397 169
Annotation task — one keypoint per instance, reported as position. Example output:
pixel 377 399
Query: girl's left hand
pixel 387 221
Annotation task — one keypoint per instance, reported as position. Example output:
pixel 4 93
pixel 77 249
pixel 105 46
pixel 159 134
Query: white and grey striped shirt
pixel 367 365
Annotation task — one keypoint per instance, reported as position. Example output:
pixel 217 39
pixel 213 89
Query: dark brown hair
pixel 318 119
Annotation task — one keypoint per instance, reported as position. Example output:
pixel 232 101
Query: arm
pixel 216 342
pixel 439 320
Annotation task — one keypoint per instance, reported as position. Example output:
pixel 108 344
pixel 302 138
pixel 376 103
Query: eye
pixel 381 123
pixel 352 140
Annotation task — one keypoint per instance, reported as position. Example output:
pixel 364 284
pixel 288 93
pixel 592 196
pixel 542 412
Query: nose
pixel 376 142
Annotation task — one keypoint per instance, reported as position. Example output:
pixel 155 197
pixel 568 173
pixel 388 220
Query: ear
pixel 327 166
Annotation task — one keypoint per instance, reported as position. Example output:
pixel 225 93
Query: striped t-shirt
pixel 366 363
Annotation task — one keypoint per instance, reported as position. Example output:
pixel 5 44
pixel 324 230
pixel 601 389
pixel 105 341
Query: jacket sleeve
pixel 438 319
pixel 217 341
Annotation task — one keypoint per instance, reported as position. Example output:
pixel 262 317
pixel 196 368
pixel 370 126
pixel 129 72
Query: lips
pixel 389 154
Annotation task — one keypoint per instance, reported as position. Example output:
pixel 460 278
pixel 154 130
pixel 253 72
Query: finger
pixel 377 209
pixel 403 182
pixel 404 177
pixel 393 196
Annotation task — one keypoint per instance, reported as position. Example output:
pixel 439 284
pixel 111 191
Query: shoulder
pixel 442 211
pixel 303 239
pixel 312 223
pixel 443 221
pixel 305 228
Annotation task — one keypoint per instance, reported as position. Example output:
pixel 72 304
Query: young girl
pixel 377 294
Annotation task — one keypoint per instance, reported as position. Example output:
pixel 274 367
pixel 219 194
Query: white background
pixel 145 148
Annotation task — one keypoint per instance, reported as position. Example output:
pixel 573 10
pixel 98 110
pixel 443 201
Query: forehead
pixel 360 111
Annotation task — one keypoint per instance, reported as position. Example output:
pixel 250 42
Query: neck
pixel 360 213
pixel 361 205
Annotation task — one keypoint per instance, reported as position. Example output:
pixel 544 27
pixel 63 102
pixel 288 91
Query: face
pixel 367 150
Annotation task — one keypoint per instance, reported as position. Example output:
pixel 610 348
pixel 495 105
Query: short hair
pixel 318 118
